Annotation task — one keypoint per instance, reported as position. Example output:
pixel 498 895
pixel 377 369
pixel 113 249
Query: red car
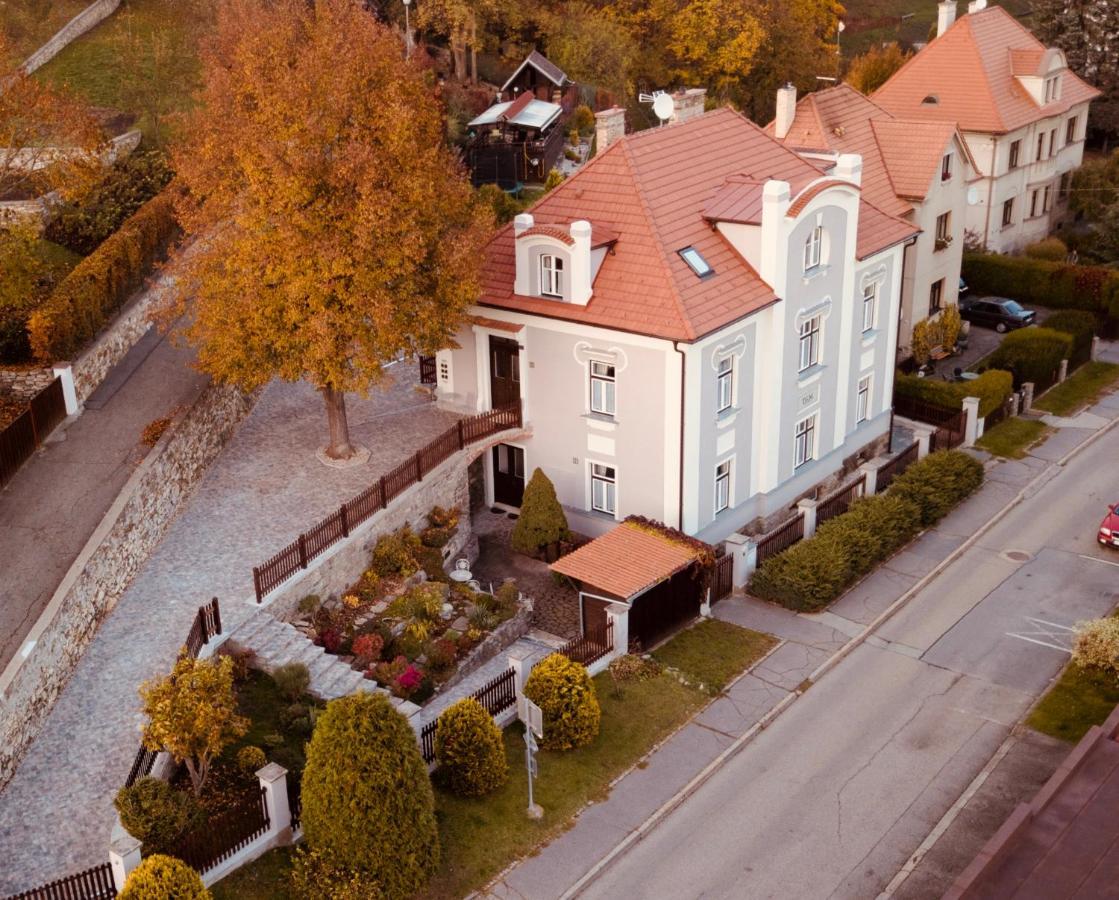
pixel 1109 527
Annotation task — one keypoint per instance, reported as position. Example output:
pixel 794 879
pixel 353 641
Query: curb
pixel 842 653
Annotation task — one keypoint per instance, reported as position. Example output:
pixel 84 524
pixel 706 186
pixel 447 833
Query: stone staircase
pixel 276 643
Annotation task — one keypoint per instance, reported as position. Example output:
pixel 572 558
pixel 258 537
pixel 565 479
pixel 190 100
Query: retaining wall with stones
pixel 505 635
pixel 94 14
pixel 116 550
pixel 23 384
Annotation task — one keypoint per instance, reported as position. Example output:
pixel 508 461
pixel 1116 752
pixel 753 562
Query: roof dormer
pixel 556 261
pixel 1039 72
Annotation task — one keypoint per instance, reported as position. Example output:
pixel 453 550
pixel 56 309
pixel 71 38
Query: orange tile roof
pixel 555 231
pixel 650 190
pixel 970 70
pixel 626 560
pixel 809 194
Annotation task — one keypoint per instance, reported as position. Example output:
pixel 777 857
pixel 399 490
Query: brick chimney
pixel 609 125
pixel 688 104
pixel 786 110
pixel 945 16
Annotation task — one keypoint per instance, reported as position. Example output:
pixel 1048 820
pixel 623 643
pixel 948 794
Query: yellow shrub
pixel 1097 644
pixel 565 694
pixel 162 877
pixel 469 750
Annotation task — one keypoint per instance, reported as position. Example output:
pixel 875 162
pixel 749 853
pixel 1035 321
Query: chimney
pixel 849 167
pixel 609 126
pixel 522 281
pixel 775 203
pixel 581 262
pixel 976 6
pixel 786 110
pixel 688 104
pixel 945 16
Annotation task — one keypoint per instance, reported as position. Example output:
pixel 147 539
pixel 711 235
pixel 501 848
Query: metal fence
pixel 427 370
pixel 92 884
pixel 780 538
pixel 496 696
pixel 839 501
pixel 722 579
pixel 590 646
pixel 896 466
pixel 223 835
pixel 30 428
pixel 999 414
pixel 336 527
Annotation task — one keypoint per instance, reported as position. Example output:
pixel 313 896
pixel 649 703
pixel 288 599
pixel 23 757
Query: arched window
pixel 813 248
pixel 551 276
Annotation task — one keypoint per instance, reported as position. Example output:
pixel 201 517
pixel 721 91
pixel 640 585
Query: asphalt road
pixel 833 797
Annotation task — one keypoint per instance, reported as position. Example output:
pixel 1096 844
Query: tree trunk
pixel 473 51
pixel 339 446
pixel 197 775
pixel 458 54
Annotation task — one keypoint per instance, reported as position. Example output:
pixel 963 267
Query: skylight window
pixel 696 262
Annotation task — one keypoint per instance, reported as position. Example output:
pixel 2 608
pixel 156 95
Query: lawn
pixel 1082 388
pixel 28 24
pixel 1012 437
pixel 481 837
pixel 711 652
pixel 1080 699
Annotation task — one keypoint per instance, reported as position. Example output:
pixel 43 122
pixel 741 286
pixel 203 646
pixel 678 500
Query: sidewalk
pixel 263 489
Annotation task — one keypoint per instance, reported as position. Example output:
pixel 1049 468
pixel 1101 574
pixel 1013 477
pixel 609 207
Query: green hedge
pixel 1033 354
pixel 992 388
pixel 1081 325
pixel 1057 285
pixel 938 483
pixel 100 284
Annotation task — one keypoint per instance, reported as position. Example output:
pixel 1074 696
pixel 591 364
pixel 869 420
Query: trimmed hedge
pixel 565 694
pixel 164 878
pixel 938 483
pixel 1081 325
pixel 469 750
pixel 1033 354
pixel 992 388
pixel 100 284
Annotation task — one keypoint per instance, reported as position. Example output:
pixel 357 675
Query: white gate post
pixel 745 553
pixel 274 779
pixel 971 429
pixel 870 474
pixel 1095 354
pixel 518 656
pixel 1062 372
pixel 65 373
pixel 124 856
pixel 808 509
pixel 1027 396
pixel 618 613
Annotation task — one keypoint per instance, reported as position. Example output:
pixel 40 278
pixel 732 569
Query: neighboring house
pixel 1021 110
pixel 700 325
pixel 915 170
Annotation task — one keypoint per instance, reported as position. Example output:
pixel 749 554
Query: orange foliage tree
pixel 333 229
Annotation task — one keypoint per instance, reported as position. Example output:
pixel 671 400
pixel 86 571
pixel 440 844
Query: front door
pixel 508 475
pixel 505 372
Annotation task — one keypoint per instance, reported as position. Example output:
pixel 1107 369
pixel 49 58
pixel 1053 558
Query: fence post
pixel 124 856
pixel 256 584
pixel 302 551
pixel 518 657
pixel 870 474
pixel 1062 371
pixel 1015 403
pixel 1095 352
pixel 745 553
pixel 217 615
pixel 808 510
pixel 65 373
pixel 618 614
pixel 384 501
pixel 274 780
pixel 342 517
pixel 1027 396
pixel 461 436
pixel 971 428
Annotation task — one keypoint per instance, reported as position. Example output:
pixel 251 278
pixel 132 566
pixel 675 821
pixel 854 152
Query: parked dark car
pixel 1109 527
pixel 998 313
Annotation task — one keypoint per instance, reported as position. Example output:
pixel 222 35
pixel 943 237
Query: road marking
pixel 1042 643
pixel 1044 629
pixel 1106 562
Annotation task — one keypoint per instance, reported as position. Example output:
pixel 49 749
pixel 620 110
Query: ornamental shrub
pixel 1097 644
pixel 565 694
pixel 155 813
pixel 368 806
pixel 1052 249
pixel 469 750
pixel 935 484
pixel 542 520
pixel 292 679
pixel 992 388
pixel 162 877
pixel 367 648
pixel 582 119
pixel 806 577
pixel 1033 354
pixel 871 530
pixel 1081 325
pixel 395 554
pixel 251 759
pixel 313 878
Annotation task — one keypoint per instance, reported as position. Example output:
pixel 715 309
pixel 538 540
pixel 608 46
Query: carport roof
pixel 627 560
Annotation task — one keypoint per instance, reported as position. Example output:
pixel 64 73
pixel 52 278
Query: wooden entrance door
pixel 508 475
pixel 505 372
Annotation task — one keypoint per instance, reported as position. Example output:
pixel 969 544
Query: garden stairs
pixel 276 643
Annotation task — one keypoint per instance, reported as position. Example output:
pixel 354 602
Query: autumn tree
pixel 462 23
pixel 590 46
pixel 192 714
pixel 335 230
pixel 869 71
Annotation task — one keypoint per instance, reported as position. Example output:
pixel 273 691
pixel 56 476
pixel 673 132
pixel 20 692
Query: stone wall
pixel 497 640
pixel 92 15
pixel 116 550
pixel 24 383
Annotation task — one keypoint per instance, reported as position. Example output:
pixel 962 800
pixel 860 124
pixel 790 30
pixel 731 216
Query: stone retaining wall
pixel 497 640
pixel 23 384
pixel 120 545
pixel 92 15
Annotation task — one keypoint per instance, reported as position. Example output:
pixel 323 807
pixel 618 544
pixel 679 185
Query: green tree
pixel 542 520
pixel 469 750
pixel 334 229
pixel 869 71
pixel 192 714
pixel 164 878
pixel 590 45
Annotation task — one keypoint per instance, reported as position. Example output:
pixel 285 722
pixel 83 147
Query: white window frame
pixel 603 373
pixel 551 275
pixel 609 487
pixel 862 399
pixel 724 384
pixel 804 441
pixel 870 306
pixel 723 485
pixel 814 249
pixel 809 341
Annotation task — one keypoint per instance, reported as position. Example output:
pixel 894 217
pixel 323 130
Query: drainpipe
pixel 680 500
pixel 991 188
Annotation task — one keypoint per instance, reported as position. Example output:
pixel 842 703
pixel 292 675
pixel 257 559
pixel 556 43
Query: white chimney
pixel 581 262
pixel 945 16
pixel 688 104
pixel 786 110
pixel 849 167
pixel 976 6
pixel 776 197
pixel 522 280
pixel 609 126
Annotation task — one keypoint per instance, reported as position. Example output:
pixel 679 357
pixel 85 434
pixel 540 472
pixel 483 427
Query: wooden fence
pixel 26 433
pixel 223 835
pixel 839 501
pixel 781 538
pixel 896 466
pixel 722 579
pixel 496 695
pixel 427 370
pixel 298 554
pixel 92 884
pixel 921 411
pixel 590 646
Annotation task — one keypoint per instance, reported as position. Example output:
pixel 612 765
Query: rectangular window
pixel 813 248
pixel 1048 89
pixel 809 343
pixel 870 304
pixel 1070 130
pixel 943 230
pixel 1045 199
pixel 1015 149
pixel 1041 146
pixel 602 388
pixel 946 167
pixel 1062 191
pixel 936 296
pixel 603 488
pixel 862 400
pixel 696 262
pixel 724 384
pixel 804 443
pixel 1035 202
pixel 1008 213
pixel 551 276
pixel 1052 142
pixel 722 486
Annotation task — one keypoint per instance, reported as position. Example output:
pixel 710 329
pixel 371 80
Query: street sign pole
pixel 529 713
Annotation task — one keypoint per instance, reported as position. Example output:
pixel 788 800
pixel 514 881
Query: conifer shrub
pixel 566 696
pixel 162 877
pixel 251 759
pixel 368 806
pixel 155 813
pixel 542 520
pixel 806 577
pixel 935 484
pixel 469 750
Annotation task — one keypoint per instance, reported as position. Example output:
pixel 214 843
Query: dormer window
pixel 813 248
pixel 696 262
pixel 931 100
pixel 551 275
pixel 1052 88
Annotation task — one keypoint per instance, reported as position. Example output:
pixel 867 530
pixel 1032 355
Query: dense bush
pixel 1051 248
pixel 806 577
pixel 871 530
pixel 582 119
pixel 155 813
pixel 1081 325
pixel 83 226
pixel 395 554
pixel 565 694
pixel 292 679
pixel 100 284
pixel 938 482
pixel 313 877
pixel 1097 644
pixel 542 520
pixel 251 759
pixel 469 750
pixel 1032 354
pixel 368 806
pixel 992 388
pixel 164 878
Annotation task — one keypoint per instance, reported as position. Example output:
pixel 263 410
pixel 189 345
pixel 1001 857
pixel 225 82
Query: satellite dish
pixel 663 107
pixel 972 196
